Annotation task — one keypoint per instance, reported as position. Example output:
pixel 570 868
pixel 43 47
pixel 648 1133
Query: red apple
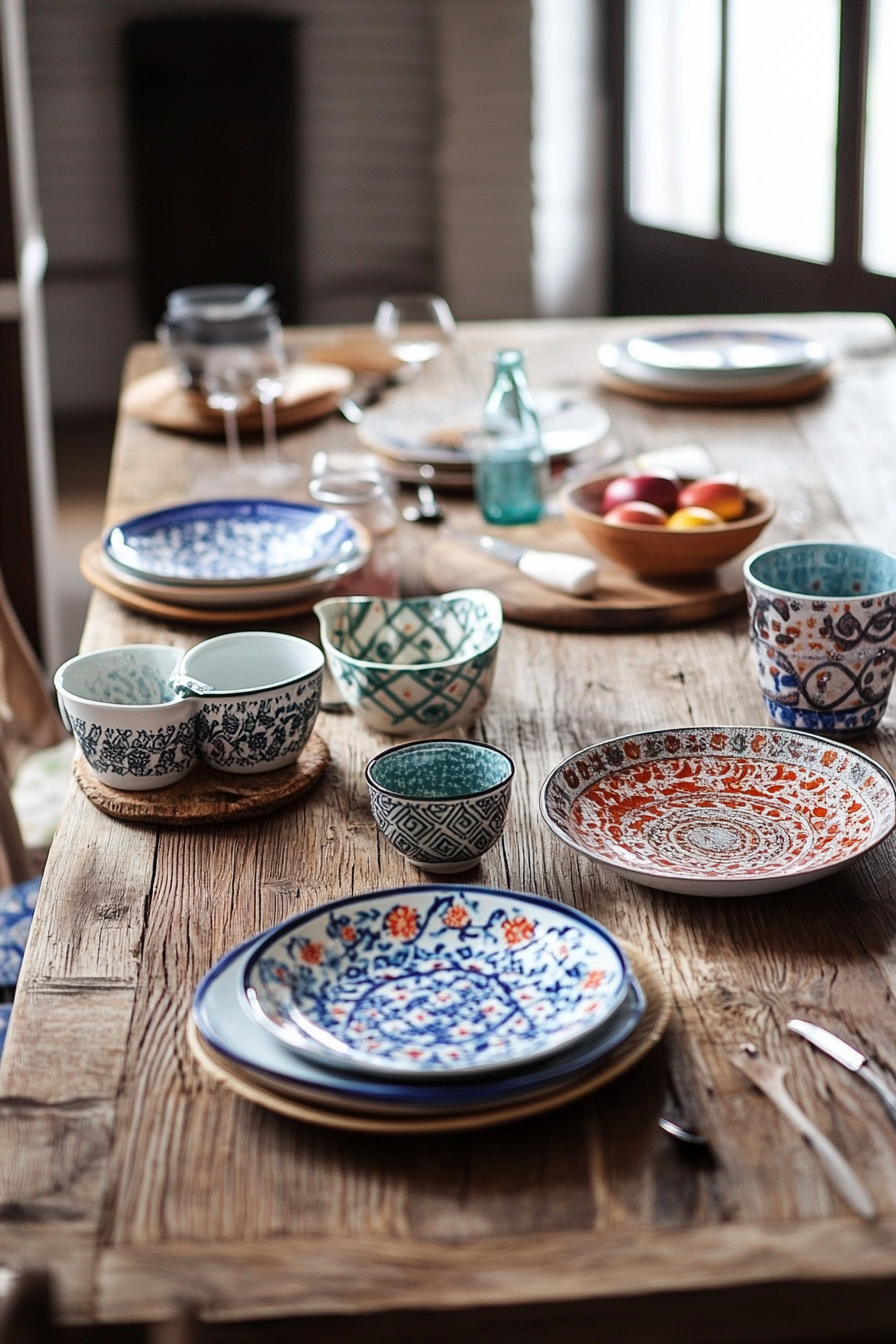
pixel 723 497
pixel 659 490
pixel 637 511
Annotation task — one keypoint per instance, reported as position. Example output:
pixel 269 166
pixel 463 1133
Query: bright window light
pixel 783 59
pixel 673 114
pixel 879 225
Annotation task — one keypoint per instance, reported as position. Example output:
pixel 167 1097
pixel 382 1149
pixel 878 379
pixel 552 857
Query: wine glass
pixel 415 328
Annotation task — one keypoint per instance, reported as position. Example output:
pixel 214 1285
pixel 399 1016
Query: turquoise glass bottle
pixel 510 465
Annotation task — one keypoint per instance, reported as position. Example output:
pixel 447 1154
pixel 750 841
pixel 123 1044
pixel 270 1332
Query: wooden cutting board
pixel 622 600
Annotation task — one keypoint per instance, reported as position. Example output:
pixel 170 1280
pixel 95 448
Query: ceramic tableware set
pixel 234 554
pixel 720 365
pixel 419 1008
pixel 433 435
pixel 144 714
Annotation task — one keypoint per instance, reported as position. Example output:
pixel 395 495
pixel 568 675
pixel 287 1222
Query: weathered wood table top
pixel 141 1183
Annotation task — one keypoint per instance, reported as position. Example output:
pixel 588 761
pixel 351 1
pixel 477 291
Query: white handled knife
pixel 566 573
pixel 849 1057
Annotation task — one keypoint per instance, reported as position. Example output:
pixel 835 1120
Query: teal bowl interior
pixel 824 569
pixel 433 770
pixel 406 633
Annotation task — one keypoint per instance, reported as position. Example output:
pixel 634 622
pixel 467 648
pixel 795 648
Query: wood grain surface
pixel 143 1184
pixel 208 795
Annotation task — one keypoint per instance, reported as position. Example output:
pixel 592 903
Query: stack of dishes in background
pixel 427 1009
pixel 425 441
pixel 716 367
pixel 227 559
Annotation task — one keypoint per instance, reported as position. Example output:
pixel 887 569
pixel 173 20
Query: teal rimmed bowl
pixel 442 804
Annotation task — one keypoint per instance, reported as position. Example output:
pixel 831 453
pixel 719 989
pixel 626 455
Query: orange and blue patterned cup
pixel 823 630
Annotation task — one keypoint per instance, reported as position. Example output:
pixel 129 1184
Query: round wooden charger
pixel 207 795
pixel 648 1031
pixel 622 600
pixel 769 396
pixel 311 391
pixel 98 576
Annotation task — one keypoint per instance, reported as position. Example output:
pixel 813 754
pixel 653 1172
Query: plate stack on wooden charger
pixel 309 392
pixel 225 560
pixel 426 1009
pixel 426 441
pixel 716 367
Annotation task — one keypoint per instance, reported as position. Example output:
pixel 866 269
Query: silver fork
pixel 769 1078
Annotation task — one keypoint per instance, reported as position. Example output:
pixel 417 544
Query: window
pixel 754 153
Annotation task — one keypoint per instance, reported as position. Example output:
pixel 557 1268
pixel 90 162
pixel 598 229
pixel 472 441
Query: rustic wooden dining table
pixel 143 1184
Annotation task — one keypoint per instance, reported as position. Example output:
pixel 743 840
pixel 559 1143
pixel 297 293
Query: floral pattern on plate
pixel 231 541
pixel 720 811
pixel 443 979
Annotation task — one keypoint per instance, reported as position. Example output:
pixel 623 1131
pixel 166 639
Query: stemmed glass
pixel 415 328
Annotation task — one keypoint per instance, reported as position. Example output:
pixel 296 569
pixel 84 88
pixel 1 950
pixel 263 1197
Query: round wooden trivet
pixel 648 1031
pixel 622 600
pixel 312 391
pixel 207 795
pixel 768 396
pixel 99 577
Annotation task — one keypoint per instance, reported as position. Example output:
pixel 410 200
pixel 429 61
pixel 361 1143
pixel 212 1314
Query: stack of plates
pixel 432 435
pixel 718 366
pixel 426 1008
pixel 228 557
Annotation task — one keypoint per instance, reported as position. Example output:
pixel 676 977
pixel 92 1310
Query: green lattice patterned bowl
pixel 409 667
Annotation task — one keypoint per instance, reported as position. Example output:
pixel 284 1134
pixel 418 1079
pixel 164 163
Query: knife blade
pixel 848 1056
pixel 566 573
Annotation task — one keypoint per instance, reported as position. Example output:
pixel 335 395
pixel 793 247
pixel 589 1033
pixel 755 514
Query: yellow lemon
pixel 684 519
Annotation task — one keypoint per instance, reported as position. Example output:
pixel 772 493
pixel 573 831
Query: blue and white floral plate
pixel 436 981
pixel 246 1047
pixel 231 541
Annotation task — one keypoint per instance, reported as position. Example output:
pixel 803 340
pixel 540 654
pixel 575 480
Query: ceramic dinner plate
pixel 436 981
pixel 715 361
pixel 730 811
pixel 433 433
pixel 229 596
pixel 222 1021
pixel 231 541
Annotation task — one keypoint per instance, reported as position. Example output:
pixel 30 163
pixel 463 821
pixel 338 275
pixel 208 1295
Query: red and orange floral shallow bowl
pixel 720 811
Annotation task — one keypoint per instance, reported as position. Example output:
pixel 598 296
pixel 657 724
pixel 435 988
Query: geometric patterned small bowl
pixel 444 980
pixel 412 666
pixel 441 804
pixel 729 811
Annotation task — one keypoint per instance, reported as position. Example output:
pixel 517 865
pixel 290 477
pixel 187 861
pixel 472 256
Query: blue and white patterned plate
pixel 224 1025
pixel 231 541
pixel 433 981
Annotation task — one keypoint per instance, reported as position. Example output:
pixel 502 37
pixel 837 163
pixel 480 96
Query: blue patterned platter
pixel 436 981
pixel 225 1026
pixel 231 541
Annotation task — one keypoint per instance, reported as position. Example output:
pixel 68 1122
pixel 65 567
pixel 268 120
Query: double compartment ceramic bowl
pixel 135 732
pixel 442 804
pixel 412 666
pixel 255 695
pixel 723 811
pixel 823 630
pixel 659 551
pixel 436 981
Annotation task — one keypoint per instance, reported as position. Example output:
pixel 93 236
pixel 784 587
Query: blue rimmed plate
pixel 231 541
pixel 223 1024
pixel 442 981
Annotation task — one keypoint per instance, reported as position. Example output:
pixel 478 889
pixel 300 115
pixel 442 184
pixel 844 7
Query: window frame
pixel 662 271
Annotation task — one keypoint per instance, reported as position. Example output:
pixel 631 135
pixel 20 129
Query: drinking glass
pixel 415 328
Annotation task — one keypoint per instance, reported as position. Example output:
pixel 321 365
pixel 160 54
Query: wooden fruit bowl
pixel 656 550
